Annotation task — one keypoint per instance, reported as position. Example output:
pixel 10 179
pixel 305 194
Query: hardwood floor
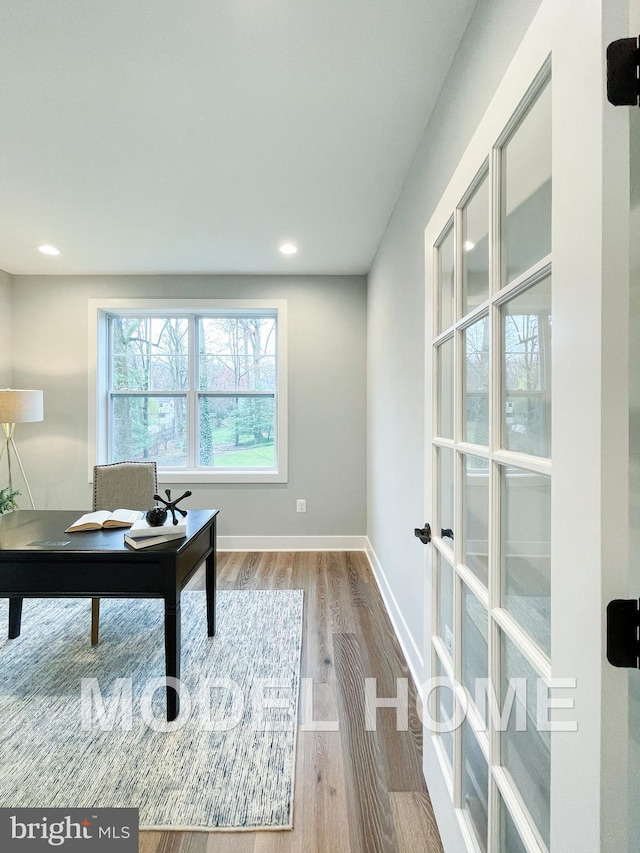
pixel 356 791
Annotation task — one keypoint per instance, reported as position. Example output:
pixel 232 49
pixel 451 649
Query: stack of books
pixel 142 535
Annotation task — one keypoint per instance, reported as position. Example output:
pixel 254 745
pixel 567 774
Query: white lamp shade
pixel 18 406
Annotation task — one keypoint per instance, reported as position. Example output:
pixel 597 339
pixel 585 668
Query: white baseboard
pixel 413 655
pixel 292 543
pixel 452 827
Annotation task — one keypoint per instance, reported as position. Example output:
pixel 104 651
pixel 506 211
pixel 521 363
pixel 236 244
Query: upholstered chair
pixel 121 485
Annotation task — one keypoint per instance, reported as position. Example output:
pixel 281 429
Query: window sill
pixel 189 476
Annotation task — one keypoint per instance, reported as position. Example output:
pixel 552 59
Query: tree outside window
pixel 193 391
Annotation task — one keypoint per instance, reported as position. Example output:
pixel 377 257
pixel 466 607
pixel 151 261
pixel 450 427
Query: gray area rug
pixel 229 763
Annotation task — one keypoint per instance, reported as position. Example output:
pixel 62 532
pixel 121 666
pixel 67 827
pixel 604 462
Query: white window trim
pixel 97 383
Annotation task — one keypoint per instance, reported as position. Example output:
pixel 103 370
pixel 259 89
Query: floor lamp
pixel 18 406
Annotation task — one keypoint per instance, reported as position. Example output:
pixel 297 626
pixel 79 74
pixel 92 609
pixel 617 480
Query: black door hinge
pixel 623 627
pixel 623 61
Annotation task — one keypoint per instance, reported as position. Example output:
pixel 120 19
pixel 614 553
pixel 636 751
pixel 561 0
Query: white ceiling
pixel 144 136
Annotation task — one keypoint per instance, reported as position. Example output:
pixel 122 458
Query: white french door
pixel 491 451
pixel 526 455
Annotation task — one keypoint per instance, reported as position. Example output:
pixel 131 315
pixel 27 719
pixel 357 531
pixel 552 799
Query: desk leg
pixel 15 617
pixel 210 584
pixel 172 655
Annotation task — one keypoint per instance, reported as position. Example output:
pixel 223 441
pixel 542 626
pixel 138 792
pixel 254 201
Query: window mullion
pixel 107 377
pixel 192 396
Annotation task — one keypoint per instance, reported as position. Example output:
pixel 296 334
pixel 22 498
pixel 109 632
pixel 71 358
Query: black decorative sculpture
pixel 169 506
pixel 157 516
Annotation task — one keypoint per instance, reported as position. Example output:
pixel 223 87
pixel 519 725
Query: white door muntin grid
pixel 452 450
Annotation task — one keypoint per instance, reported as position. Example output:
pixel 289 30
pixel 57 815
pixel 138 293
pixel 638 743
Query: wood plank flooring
pixel 356 791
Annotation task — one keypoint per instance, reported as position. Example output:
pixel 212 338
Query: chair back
pixel 125 485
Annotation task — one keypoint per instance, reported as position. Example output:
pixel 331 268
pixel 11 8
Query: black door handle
pixel 424 533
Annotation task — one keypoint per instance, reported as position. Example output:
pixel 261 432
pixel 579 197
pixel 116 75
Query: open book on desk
pixel 103 518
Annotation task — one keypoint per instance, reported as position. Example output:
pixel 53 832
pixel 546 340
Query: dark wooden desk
pixel 39 560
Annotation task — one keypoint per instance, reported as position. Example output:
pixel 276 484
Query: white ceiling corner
pixel 155 136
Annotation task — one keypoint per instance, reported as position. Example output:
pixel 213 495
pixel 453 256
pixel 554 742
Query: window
pixel 197 386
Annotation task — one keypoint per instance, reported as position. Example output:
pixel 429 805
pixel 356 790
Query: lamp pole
pixel 18 406
pixel 9 443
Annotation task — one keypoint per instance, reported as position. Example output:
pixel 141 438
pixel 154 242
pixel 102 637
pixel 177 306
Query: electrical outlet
pixel 301 505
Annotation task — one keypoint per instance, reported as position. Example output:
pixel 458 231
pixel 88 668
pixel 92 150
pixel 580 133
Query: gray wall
pixel 6 363
pixel 327 395
pixel 396 345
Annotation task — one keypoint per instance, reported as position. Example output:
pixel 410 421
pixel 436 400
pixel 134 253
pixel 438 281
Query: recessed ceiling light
pixel 48 250
pixel 468 245
pixel 288 249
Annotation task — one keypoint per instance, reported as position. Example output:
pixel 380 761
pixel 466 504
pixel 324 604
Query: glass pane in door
pixel 525 753
pixel 475 650
pixel 442 711
pixel 446 281
pixel 525 548
pixel 475 249
pixel 445 602
pixel 527 178
pixel 510 841
pixel 444 360
pixel 475 410
pixel 475 515
pixel 475 785
pixel 526 371
pixel 446 502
